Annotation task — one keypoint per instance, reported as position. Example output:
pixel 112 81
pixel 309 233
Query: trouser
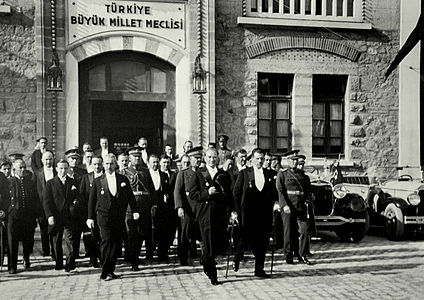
pixel 20 226
pixel 46 241
pixel 92 243
pixel 108 249
pixel 134 240
pixel 295 233
pixel 71 237
pixel 257 242
pixel 189 233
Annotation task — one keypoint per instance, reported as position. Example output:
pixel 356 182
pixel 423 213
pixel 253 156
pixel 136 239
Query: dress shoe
pixel 105 277
pixel 214 281
pixel 57 268
pixel 236 265
pixel 262 274
pixel 114 276
pixel 304 260
pixel 309 253
pixel 135 268
pixel 12 271
pixel 94 263
pixel 70 268
pixel 27 265
pixel 289 258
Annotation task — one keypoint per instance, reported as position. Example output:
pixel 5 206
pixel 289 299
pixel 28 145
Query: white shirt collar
pixel 110 175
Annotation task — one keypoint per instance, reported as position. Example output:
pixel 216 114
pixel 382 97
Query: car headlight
pixel 340 191
pixel 414 199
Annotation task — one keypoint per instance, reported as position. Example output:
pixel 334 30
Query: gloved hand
pixel 181 212
pixel 136 216
pixel 51 221
pixel 90 223
pixel 276 207
pixel 286 209
pixel 233 217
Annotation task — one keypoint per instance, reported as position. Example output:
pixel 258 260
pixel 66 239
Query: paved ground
pixel 375 268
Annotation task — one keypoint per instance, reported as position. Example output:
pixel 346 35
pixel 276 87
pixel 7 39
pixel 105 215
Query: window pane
pixel 97 78
pixel 318 7
pixel 297 6
pixel 265 110
pixel 264 86
pixel 282 143
pixel 330 7
pixel 128 76
pixel 336 142
pixel 276 6
pixel 282 110
pixel 340 7
pixel 158 78
pixel 336 128
pixel 336 111
pixel 286 6
pixel 254 5
pixel 265 143
pixel 282 128
pixel 350 8
pixel 318 142
pixel 264 128
pixel 318 111
pixel 308 7
pixel 264 5
pixel 318 128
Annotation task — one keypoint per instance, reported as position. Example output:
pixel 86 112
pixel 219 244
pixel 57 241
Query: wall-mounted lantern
pixel 199 77
pixel 54 75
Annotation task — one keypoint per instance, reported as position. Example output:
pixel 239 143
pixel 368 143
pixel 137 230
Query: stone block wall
pixel 371 110
pixel 18 86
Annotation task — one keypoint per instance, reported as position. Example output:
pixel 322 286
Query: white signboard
pixel 91 17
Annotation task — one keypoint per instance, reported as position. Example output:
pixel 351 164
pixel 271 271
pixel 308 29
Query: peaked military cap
pixel 73 152
pixel 195 151
pixel 135 151
pixel 15 156
pixel 41 138
pixel 223 137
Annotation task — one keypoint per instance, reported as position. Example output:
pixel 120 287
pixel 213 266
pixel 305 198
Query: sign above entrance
pixel 90 17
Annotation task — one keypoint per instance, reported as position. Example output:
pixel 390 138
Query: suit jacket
pixel 101 202
pixel 180 196
pixel 4 193
pixel 32 203
pixel 98 152
pixel 58 199
pixel 36 162
pixel 40 182
pixel 252 205
pixel 78 174
pixel 197 187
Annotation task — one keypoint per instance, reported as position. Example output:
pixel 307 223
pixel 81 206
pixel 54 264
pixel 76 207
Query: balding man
pixel 41 176
pixel 210 198
pixel 22 214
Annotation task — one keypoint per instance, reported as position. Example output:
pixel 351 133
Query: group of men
pixel 138 198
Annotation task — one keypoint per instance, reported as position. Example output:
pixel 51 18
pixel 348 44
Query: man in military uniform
pixel 210 198
pixel 4 204
pixel 73 157
pixel 22 214
pixel 123 162
pixel 223 151
pixel 189 228
pixel 143 190
pixel 36 162
pixel 293 189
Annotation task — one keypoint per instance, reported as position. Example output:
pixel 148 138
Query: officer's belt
pixel 299 193
pixel 139 193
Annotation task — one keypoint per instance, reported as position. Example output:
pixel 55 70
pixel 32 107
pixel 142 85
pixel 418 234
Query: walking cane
pixel 273 240
pixel 229 246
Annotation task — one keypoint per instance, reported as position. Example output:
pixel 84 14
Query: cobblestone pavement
pixel 375 268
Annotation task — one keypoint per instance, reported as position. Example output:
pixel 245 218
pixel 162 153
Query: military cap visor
pixel 73 152
pixel 42 138
pixel 16 155
pixel 196 151
pixel 135 151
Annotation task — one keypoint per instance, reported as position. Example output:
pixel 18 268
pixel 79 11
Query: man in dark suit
pixel 61 204
pixel 109 198
pixel 36 161
pixel 41 176
pixel 104 148
pixel 210 198
pixel 22 214
pixel 4 204
pixel 142 143
pixel 254 195
pixel 164 218
pixel 91 236
pixel 190 162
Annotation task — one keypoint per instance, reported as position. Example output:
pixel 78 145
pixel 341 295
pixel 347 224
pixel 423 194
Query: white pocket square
pixel 73 187
pixel 123 184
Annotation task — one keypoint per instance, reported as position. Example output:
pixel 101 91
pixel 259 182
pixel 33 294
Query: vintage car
pixel 338 209
pixel 397 205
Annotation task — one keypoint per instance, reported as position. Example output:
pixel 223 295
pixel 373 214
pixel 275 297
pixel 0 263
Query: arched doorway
pixel 124 95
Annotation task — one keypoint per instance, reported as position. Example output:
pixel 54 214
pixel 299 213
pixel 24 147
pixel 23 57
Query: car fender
pixel 355 202
pixel 399 202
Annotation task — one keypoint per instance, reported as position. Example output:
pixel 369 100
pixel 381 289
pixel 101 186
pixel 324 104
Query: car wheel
pixel 394 222
pixel 354 233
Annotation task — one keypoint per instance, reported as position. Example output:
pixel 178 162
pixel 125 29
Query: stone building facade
pixel 313 50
